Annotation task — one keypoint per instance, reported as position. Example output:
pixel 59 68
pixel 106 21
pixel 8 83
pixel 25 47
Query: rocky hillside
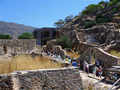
pixel 100 21
pixel 14 29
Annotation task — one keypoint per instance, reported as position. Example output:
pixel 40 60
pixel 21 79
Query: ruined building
pixel 18 46
pixel 44 34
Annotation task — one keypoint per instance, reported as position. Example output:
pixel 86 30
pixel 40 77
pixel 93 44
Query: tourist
pixel 95 68
pixel 74 63
pixel 115 76
pixel 59 57
pixel 100 71
pixel 79 65
pixel 69 60
pixel 97 63
pixel 66 59
pixel 86 67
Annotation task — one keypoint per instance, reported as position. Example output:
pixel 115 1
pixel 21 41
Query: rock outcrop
pixel 101 26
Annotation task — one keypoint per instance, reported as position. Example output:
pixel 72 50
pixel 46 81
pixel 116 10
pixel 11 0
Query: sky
pixel 40 13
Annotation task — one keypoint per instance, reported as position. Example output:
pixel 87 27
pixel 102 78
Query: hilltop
pixel 14 29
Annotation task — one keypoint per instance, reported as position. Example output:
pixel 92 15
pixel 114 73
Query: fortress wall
pixel 54 79
pixel 17 45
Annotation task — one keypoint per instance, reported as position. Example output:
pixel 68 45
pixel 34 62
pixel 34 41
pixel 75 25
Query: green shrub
pixel 113 2
pixel 64 41
pixel 115 9
pixel 89 24
pixel 102 19
pixel 3 36
pixel 26 35
pixel 93 8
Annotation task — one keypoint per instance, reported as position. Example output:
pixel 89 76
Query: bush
pixel 114 10
pixel 113 2
pixel 92 9
pixel 103 19
pixel 26 36
pixel 3 36
pixel 64 41
pixel 89 24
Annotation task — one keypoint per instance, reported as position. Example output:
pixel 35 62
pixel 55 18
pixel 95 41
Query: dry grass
pixel 115 53
pixel 73 54
pixel 25 62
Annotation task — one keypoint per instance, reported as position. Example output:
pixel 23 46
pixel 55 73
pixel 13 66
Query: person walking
pixel 100 71
pixel 95 68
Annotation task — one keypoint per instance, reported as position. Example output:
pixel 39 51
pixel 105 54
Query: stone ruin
pixel 87 51
pixel 17 46
pixel 54 79
pixel 52 47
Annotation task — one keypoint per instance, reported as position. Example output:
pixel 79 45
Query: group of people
pixel 61 56
pixel 95 69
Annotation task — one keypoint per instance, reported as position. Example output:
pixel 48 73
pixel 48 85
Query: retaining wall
pixel 54 79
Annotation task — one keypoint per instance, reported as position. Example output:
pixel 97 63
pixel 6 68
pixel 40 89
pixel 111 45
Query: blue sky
pixel 40 13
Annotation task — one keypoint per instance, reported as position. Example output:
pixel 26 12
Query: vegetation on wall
pixel 26 36
pixel 64 41
pixel 91 9
pixel 61 22
pixel 102 19
pixel 89 24
pixel 113 2
pixel 5 36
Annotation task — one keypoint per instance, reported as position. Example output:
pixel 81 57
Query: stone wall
pixel 54 79
pixel 105 58
pixel 6 82
pixel 17 45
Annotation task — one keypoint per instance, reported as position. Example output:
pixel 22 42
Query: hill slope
pixel 14 29
pixel 100 21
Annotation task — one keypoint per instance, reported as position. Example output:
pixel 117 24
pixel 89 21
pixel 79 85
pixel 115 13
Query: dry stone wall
pixel 17 45
pixel 6 82
pixel 55 79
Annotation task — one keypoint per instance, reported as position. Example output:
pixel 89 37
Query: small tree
pixel 60 23
pixel 92 8
pixel 88 24
pixel 68 18
pixel 26 35
pixel 64 41
pixel 5 36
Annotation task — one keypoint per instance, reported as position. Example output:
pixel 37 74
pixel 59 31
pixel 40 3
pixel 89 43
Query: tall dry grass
pixel 26 62
pixel 115 53
pixel 73 54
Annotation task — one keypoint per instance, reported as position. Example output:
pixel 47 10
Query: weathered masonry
pixel 54 79
pixel 88 51
pixel 19 46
